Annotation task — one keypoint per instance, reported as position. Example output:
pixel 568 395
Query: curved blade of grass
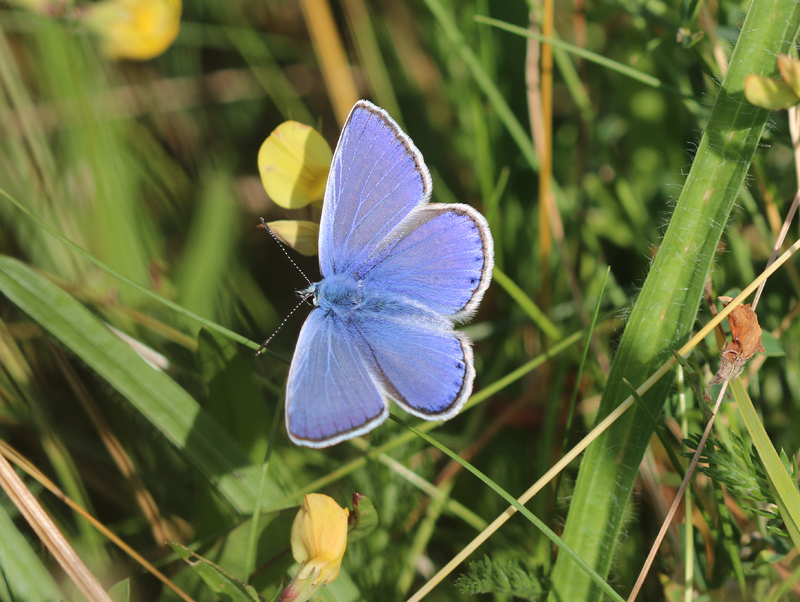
pixel 21 571
pixel 667 445
pixel 786 494
pixel 598 580
pixel 163 402
pixel 593 57
pixel 209 246
pixel 473 63
pixel 218 579
pixel 526 303
pixel 145 291
pixel 667 306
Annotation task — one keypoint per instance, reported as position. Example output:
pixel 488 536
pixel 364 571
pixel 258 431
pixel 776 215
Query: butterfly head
pixel 339 293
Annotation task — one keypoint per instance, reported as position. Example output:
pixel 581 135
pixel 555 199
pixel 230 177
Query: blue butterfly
pixel 397 272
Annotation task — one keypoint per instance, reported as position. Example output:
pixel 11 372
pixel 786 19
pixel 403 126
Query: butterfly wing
pixel 420 362
pixel 422 266
pixel 376 179
pixel 330 394
pixel 441 256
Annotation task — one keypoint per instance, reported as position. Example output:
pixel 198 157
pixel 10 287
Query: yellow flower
pixel 294 162
pixel 135 29
pixel 300 235
pixel 775 94
pixel 319 538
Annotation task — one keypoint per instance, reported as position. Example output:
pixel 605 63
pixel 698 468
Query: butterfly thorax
pixel 339 293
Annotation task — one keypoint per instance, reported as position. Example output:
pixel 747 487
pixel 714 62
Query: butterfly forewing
pixel 441 256
pixel 377 177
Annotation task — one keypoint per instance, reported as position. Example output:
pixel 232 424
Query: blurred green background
pixel 151 167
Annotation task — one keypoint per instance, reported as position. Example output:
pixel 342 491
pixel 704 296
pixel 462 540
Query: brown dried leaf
pixel 745 342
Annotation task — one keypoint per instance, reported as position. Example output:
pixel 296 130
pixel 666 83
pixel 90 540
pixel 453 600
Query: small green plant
pixel 740 469
pixel 507 577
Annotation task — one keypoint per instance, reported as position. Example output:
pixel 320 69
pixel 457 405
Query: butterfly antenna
pixel 285 252
pixel 272 336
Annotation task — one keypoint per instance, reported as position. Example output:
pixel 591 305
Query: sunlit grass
pixel 151 169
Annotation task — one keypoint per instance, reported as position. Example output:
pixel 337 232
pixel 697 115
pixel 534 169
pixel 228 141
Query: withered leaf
pixel 745 343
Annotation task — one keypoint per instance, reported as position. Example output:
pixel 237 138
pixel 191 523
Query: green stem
pixel 667 306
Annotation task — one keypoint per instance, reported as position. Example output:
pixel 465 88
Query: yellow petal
pixel 319 538
pixel 769 93
pixel 790 72
pixel 135 29
pixel 300 235
pixel 294 163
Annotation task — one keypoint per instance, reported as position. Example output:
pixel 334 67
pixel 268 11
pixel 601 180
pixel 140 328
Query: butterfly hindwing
pixel 423 364
pixel 376 179
pixel 330 395
pixel 441 256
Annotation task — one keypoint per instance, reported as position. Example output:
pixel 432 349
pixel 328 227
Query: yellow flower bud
pixel 294 162
pixel 790 72
pixel 319 538
pixel 135 29
pixel 300 235
pixel 772 94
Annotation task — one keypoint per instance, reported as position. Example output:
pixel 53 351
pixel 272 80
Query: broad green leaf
pixel 667 305
pixel 121 591
pixel 272 554
pixel 342 589
pixel 165 404
pixel 363 518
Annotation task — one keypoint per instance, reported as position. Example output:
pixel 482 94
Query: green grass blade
pixel 526 303
pixel 667 445
pixel 668 303
pixel 644 78
pixel 209 248
pixel 504 112
pixel 784 488
pixel 147 292
pixel 165 404
pixel 586 569
pixel 21 571
pixel 218 579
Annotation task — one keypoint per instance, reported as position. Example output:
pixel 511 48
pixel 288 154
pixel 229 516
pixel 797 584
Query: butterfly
pixel 397 273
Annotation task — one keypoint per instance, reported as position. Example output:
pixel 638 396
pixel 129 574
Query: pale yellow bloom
pixel 775 94
pixel 790 72
pixel 294 162
pixel 135 29
pixel 319 538
pixel 300 235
